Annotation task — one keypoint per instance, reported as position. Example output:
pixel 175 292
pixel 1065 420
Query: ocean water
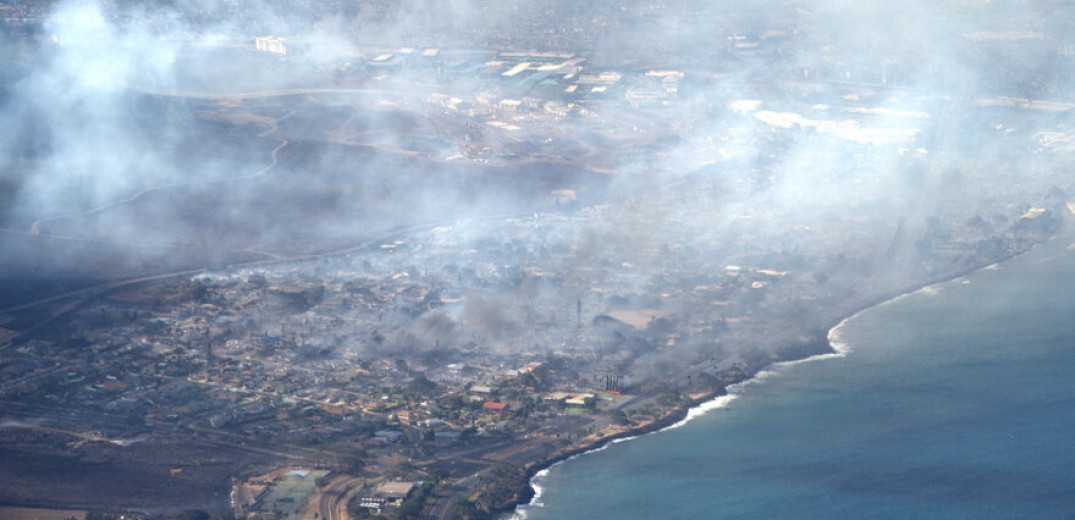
pixel 957 401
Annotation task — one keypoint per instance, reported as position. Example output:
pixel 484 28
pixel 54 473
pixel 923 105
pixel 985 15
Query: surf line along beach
pixel 716 398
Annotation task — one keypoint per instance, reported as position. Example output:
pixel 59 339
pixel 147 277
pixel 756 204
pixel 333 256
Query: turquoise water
pixel 957 401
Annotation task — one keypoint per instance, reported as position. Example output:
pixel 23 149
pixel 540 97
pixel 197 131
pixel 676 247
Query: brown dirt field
pixel 26 513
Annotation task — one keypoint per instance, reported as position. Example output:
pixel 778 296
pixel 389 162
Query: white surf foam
pixel 930 289
pixel 715 404
pixel 841 348
pixel 835 338
pixel 537 484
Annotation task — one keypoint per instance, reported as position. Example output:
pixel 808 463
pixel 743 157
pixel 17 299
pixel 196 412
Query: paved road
pixel 282 92
pixel 35 227
pixel 335 496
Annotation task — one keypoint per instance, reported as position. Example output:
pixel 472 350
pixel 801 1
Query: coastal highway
pixel 104 426
pixel 79 296
pixel 462 488
pixel 486 455
pixel 421 94
pixel 35 227
pixel 334 496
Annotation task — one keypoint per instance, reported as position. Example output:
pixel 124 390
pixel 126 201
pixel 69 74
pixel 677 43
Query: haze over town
pixel 287 259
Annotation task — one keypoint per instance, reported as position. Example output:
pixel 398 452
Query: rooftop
pixel 395 489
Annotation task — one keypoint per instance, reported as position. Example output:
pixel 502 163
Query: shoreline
pixel 681 414
pixel 716 398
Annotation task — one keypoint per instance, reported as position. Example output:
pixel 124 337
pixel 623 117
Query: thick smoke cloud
pixel 110 161
pixel 96 151
pixel 150 137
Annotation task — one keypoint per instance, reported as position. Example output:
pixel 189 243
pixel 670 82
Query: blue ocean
pixel 956 401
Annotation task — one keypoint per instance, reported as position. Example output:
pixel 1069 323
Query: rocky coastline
pixel 681 411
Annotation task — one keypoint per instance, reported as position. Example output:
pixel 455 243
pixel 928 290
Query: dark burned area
pixel 409 248
pixel 320 197
pixel 141 475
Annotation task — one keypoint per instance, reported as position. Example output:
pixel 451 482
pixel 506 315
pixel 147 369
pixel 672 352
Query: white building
pixel 270 44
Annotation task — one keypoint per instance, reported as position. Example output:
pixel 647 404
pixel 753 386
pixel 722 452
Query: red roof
pixel 492 405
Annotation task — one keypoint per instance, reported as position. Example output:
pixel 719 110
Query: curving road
pixel 35 227
pixel 332 504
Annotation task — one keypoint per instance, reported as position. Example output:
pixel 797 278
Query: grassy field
pixel 288 494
